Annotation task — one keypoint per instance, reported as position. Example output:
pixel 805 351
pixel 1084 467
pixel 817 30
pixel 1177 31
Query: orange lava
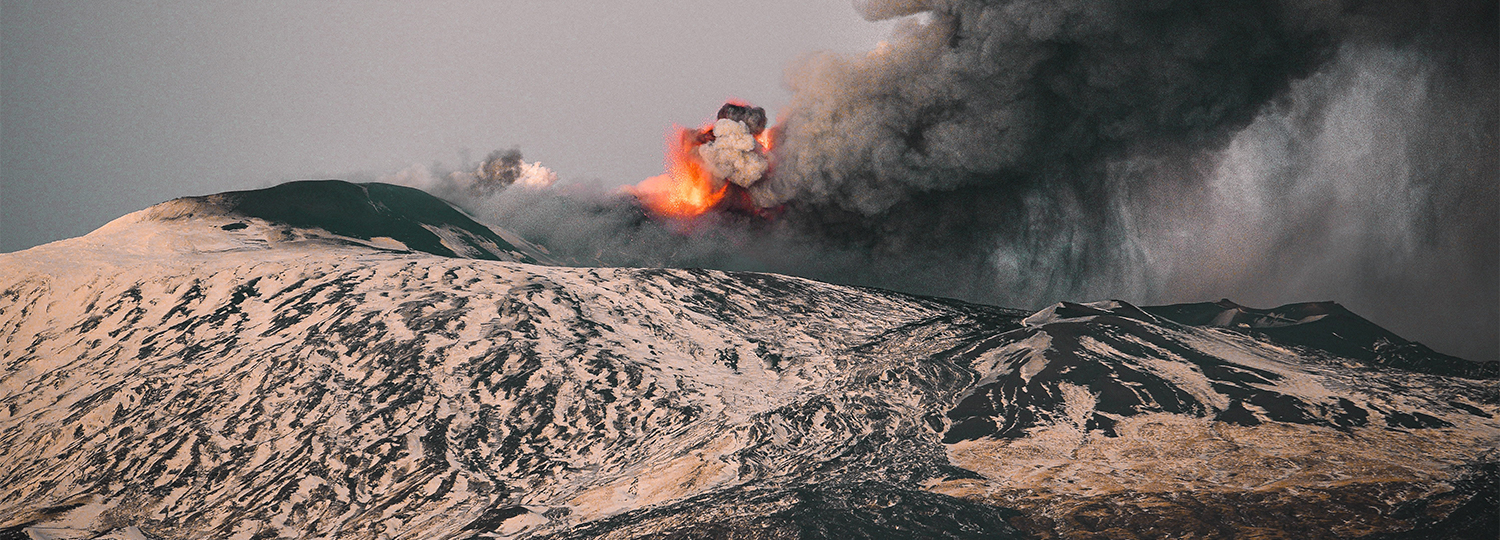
pixel 688 189
pixel 765 139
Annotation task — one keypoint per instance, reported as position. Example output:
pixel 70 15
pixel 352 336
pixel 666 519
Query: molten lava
pixel 765 138
pixel 705 165
pixel 688 189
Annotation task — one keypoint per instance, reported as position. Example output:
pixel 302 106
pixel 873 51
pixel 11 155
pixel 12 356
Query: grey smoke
pixel 753 117
pixel 1372 183
pixel 1031 92
pixel 1026 151
pixel 499 170
pixel 1030 151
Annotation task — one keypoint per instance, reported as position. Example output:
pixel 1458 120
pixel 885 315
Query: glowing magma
pixel 688 189
pixel 691 187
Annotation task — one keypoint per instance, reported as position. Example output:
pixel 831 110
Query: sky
pixel 107 107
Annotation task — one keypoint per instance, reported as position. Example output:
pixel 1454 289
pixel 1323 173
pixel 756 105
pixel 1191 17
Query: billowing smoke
pixel 730 148
pixel 506 167
pixel 500 170
pixel 733 155
pixel 1032 92
pixel 1027 151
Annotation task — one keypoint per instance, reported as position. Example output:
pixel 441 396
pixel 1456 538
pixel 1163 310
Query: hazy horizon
pixel 110 107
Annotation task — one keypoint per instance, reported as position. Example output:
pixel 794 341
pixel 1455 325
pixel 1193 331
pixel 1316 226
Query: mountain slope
pixel 374 215
pixel 171 377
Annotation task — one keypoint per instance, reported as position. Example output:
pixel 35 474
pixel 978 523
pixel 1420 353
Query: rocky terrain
pixel 333 360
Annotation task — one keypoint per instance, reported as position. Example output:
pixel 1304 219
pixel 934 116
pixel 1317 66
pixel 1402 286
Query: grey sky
pixel 107 107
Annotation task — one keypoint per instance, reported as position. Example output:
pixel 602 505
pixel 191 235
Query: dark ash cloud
pixel 1029 151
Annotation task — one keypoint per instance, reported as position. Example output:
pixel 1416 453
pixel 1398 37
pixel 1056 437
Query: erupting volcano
pixel 348 361
pixel 974 284
pixel 711 166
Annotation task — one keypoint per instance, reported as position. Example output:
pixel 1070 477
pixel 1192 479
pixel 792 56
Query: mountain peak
pixel 372 216
pixel 1329 327
pixel 367 211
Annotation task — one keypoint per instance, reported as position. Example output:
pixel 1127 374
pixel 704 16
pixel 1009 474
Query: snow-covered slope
pixel 180 376
pixel 321 212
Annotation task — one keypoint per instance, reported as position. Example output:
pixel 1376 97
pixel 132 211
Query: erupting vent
pixel 712 166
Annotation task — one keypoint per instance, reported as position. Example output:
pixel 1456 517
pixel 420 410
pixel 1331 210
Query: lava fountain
pixel 705 165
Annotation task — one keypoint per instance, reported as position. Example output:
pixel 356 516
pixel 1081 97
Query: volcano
pixel 335 360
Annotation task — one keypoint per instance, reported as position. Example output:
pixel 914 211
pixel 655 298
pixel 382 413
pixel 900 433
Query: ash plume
pixel 733 154
pixel 1020 152
pixel 501 169
pixel 729 148
pixel 1025 152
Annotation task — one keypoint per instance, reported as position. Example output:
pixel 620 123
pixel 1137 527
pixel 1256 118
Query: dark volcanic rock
pixel 366 211
pixel 867 510
pixel 1330 328
pixel 1470 512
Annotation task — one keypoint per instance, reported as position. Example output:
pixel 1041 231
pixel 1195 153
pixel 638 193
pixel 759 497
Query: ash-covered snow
pixel 189 374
